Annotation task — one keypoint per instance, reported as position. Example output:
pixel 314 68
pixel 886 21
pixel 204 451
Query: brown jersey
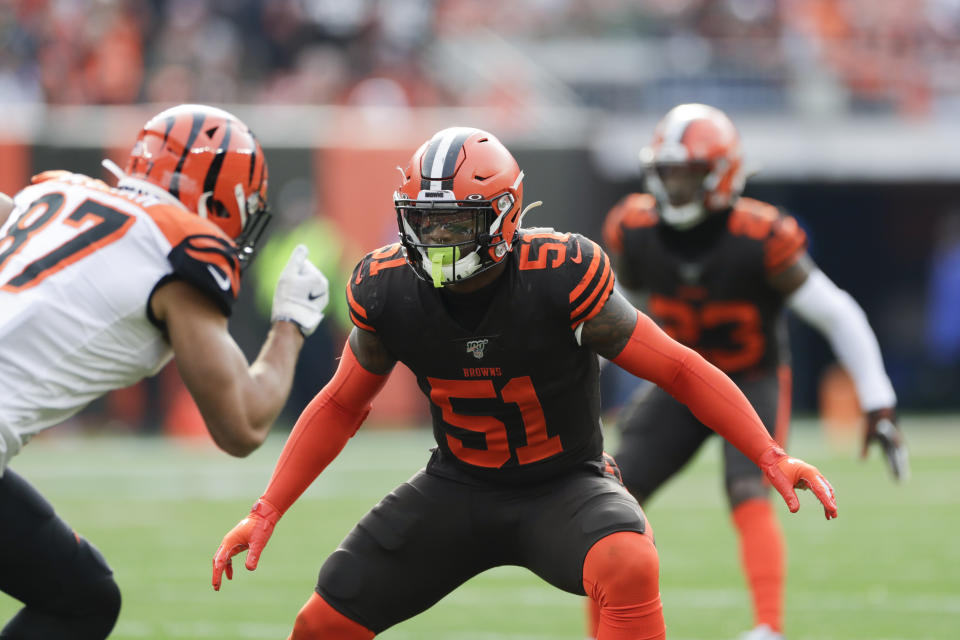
pixel 516 398
pixel 709 286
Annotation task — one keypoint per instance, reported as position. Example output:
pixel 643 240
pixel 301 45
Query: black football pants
pixel 433 533
pixel 65 585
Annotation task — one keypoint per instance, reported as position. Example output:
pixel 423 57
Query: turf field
pixel 888 568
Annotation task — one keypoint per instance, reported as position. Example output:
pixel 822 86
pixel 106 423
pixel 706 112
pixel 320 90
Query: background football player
pixel 502 327
pixel 718 270
pixel 100 287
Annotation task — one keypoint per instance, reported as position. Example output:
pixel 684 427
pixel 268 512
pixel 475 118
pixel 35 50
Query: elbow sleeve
pixel 835 313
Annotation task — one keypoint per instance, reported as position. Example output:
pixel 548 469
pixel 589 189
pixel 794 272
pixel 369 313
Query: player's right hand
pixel 250 533
pixel 302 293
pixel 786 474
pixel 882 428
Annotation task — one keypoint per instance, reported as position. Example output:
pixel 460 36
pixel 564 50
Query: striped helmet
pixel 459 205
pixel 693 165
pixel 211 162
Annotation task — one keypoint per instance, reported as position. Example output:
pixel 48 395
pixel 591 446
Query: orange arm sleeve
pixel 322 430
pixel 712 397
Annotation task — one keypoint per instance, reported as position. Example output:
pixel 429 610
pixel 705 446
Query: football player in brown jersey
pixel 718 270
pixel 501 326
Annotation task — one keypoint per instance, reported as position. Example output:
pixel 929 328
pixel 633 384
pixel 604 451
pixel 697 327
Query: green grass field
pixel 888 568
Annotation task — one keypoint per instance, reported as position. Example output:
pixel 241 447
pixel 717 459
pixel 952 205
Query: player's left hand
pixel 786 474
pixel 882 428
pixel 251 533
pixel 6 206
pixel 302 293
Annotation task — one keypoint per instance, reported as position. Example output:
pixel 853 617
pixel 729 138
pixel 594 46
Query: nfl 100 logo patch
pixel 476 347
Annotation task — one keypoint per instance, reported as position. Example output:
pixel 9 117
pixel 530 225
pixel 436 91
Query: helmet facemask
pixel 682 189
pixel 448 240
pixel 255 220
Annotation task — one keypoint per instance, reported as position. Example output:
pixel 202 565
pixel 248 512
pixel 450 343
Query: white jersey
pixel 79 262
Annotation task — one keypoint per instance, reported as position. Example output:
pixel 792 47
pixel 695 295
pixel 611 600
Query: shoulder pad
pixel 635 210
pixel 787 242
pixel 69 177
pixel 367 276
pixel 209 263
pixel 176 223
pixel 581 266
pixel 783 239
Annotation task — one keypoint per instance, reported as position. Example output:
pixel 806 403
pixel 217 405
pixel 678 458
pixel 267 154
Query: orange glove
pixel 250 533
pixel 786 473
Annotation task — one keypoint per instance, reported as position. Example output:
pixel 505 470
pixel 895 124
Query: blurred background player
pixel 502 327
pixel 718 270
pixel 100 287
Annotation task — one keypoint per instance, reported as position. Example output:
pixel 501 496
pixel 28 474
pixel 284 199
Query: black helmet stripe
pixel 198 119
pixel 166 132
pixel 440 159
pixel 210 181
pixel 253 163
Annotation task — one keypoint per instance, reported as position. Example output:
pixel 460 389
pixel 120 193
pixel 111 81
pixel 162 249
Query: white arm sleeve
pixel 832 311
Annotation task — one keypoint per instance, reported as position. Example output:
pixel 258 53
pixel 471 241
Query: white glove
pixel 6 206
pixel 302 293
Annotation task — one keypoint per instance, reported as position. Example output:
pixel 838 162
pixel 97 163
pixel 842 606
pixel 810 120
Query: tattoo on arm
pixel 370 352
pixel 607 332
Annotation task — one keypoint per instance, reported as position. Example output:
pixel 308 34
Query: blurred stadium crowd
pixel 890 56
pixel 875 71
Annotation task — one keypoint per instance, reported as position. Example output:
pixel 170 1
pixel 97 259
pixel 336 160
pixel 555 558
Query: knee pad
pixel 318 620
pixel 94 597
pixel 743 488
pixel 622 569
pixel 86 610
pixel 101 608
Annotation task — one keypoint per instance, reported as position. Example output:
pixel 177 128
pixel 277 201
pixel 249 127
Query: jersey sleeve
pixel 209 263
pixel 570 268
pixel 201 254
pixel 784 245
pixel 590 279
pixel 366 289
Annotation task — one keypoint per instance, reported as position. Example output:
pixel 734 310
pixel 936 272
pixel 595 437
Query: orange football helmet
pixel 693 165
pixel 459 205
pixel 211 163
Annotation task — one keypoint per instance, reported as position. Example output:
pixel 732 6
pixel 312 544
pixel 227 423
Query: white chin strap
pixel 680 217
pixel 462 268
pixel 684 216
